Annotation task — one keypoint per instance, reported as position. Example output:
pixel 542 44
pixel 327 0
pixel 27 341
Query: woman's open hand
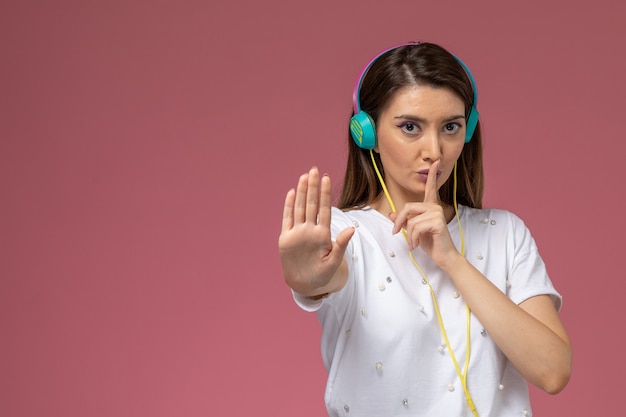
pixel 311 261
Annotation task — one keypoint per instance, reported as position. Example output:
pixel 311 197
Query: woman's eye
pixel 410 128
pixel 452 128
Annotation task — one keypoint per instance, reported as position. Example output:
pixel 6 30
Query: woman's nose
pixel 432 146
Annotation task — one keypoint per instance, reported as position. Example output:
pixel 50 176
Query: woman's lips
pixel 423 174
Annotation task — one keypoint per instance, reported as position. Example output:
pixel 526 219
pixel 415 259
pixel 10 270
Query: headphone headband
pixel 362 126
pixel 356 92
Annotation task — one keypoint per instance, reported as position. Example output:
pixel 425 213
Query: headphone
pixel 362 128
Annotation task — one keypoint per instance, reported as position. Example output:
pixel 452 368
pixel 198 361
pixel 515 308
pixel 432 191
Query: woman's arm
pixel 530 334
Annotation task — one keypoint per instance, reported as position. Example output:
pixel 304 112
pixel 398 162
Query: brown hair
pixel 423 64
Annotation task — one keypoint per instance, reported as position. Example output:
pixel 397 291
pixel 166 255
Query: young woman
pixel 430 304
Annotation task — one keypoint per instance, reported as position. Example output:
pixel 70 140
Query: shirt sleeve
pixel 527 275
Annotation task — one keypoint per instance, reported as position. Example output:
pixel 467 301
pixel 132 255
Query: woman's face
pixel 419 125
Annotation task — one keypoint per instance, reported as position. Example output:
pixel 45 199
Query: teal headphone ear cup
pixel 472 121
pixel 363 130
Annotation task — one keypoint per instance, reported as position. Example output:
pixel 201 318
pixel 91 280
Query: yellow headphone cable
pixel 462 374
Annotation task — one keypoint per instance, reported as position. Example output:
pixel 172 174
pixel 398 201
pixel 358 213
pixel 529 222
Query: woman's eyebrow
pixel 422 120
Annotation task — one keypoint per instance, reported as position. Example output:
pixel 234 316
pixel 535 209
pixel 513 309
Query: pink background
pixel 146 148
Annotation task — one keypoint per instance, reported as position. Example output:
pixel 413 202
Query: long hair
pixel 416 64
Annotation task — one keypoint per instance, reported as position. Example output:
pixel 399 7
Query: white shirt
pixel 381 341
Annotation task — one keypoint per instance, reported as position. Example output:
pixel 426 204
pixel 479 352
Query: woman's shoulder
pixel 365 217
pixel 489 215
pixel 508 222
pixel 352 213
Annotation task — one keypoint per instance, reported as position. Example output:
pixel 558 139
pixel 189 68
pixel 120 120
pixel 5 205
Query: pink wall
pixel 145 149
